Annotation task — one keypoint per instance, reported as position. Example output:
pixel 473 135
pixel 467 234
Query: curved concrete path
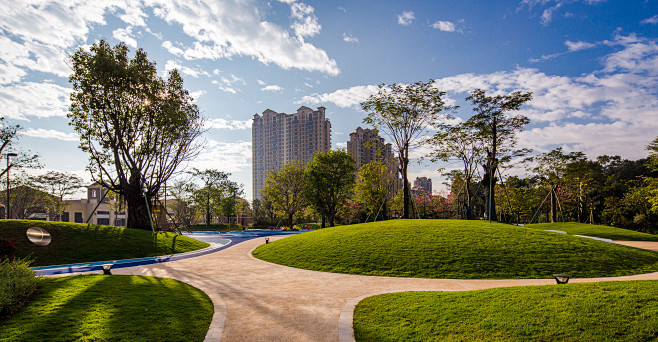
pixel 259 301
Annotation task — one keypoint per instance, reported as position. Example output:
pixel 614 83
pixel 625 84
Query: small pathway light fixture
pixel 562 278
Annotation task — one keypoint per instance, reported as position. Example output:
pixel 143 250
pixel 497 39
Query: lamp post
pixel 7 211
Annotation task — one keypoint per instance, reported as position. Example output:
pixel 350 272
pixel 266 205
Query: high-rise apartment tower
pixel 366 145
pixel 280 138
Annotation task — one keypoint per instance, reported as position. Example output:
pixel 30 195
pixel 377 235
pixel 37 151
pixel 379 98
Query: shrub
pixel 17 283
pixel 7 249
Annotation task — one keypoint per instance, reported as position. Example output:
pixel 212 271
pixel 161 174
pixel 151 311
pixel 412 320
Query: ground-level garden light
pixel 106 269
pixel 561 278
pixel 38 236
pixel 267 240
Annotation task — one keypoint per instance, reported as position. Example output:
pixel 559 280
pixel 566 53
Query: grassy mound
pixel 454 249
pixel 112 308
pixel 606 232
pixel 76 242
pixel 610 311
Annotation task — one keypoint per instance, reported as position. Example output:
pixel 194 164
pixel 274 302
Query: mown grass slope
pixel 574 228
pixel 610 311
pixel 454 249
pixel 111 308
pixel 77 242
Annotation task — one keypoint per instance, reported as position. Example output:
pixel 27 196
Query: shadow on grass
pixel 72 242
pixel 112 308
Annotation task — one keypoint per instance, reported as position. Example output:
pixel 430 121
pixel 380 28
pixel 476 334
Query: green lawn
pixel 112 308
pixel 454 249
pixel 613 233
pixel 610 311
pixel 76 242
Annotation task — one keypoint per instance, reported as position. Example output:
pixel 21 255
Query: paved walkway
pixel 650 245
pixel 259 301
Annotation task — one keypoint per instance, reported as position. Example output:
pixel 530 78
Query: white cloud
pixel 224 156
pixel 445 26
pixel 545 57
pixel 48 32
pixel 554 6
pixel 579 45
pixel 40 100
pixel 305 23
pixel 344 98
pixel 125 35
pixel 10 73
pixel 172 64
pixel 653 20
pixel 261 82
pixel 639 55
pixel 228 124
pixel 197 94
pixel 169 46
pixel 271 87
pixel 349 38
pixel 228 89
pixel 50 134
pixel 406 18
pixel 225 30
pixel 620 101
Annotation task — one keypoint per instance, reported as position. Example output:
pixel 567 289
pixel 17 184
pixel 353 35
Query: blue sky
pixel 591 64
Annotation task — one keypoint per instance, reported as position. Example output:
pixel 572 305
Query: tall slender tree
pixel 463 143
pixel 58 185
pixel 498 131
pixel 403 113
pixel 209 196
pixel 285 190
pixel 373 188
pixel 136 127
pixel 550 169
pixel 8 135
pixel 330 181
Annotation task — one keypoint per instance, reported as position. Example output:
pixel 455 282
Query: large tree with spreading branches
pixel 136 127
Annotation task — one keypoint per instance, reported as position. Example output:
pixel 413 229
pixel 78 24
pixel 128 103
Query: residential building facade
pixel 365 145
pixel 106 214
pixel 280 138
pixel 422 185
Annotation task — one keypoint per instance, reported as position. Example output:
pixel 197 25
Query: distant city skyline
pixel 592 66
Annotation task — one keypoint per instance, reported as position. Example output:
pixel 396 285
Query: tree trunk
pixel 405 189
pixel 469 209
pixel 580 202
pixel 331 217
pixel 553 200
pixel 207 211
pixel 489 184
pixel 323 221
pixel 138 216
pixel 290 220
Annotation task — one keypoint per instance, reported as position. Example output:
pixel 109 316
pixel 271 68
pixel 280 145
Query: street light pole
pixel 7 211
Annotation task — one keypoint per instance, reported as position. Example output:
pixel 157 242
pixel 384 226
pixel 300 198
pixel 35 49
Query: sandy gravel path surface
pixel 259 301
pixel 650 245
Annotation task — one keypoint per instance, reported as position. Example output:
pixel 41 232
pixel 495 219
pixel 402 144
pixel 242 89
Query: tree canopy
pixel 136 127
pixel 403 113
pixel 285 190
pixel 498 131
pixel 330 181
pixel 373 188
